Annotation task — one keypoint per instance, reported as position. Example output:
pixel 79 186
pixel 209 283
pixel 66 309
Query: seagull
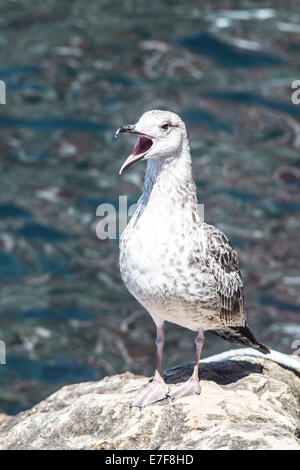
pixel 179 268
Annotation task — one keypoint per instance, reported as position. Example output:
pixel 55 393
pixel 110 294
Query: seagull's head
pixel 160 135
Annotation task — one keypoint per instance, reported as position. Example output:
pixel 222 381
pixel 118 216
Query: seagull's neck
pixel 170 180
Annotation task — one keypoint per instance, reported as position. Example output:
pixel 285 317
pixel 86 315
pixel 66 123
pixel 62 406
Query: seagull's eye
pixel 165 126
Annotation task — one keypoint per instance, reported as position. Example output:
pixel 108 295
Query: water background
pixel 74 72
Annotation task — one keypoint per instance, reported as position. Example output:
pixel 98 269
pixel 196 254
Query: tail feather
pixel 241 335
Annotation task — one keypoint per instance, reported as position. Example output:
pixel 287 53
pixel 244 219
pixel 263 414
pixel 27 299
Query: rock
pixel 3 416
pixel 245 403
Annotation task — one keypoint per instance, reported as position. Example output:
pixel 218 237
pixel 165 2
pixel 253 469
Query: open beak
pixel 142 146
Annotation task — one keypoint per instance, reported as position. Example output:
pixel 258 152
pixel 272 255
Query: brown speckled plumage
pixel 223 263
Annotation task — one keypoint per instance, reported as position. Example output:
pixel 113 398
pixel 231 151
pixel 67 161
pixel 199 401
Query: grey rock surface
pixel 246 403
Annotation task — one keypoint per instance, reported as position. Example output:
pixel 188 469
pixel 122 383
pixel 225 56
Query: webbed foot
pixel 155 391
pixel 188 388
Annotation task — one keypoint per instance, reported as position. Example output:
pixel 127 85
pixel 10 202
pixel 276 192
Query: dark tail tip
pixel 247 333
pixel 242 335
pixel 262 348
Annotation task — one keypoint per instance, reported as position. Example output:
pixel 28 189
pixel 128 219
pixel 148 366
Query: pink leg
pixel 192 385
pixel 157 390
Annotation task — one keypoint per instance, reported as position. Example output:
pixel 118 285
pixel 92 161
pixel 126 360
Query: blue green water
pixel 74 72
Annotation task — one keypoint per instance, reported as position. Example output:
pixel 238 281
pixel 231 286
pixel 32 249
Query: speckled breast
pixel 158 270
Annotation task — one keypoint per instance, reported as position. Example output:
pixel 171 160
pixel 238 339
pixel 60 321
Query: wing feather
pixel 222 261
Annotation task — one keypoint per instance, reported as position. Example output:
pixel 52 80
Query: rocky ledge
pixel 246 403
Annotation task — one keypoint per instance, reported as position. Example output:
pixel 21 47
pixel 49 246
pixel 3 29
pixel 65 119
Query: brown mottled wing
pixel 222 261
